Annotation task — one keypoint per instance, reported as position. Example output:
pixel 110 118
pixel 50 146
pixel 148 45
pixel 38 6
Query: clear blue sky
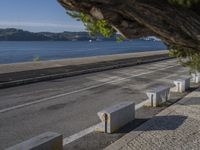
pixel 36 15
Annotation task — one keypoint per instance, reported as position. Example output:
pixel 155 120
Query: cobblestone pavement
pixel 175 128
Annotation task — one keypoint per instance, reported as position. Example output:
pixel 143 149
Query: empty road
pixel 70 105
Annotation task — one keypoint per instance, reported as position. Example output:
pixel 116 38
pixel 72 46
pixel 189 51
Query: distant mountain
pixel 12 34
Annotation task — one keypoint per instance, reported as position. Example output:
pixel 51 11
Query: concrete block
pixel 182 84
pixel 196 77
pixel 157 95
pixel 46 141
pixel 115 117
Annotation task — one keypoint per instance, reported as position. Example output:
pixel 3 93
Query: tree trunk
pixel 176 26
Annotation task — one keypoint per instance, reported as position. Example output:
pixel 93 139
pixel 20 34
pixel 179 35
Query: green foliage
pixel 185 3
pixel 37 58
pixel 120 39
pixel 95 27
pixel 187 57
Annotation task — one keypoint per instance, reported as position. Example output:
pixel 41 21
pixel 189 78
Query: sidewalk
pixel 175 128
pixel 30 72
pixel 38 65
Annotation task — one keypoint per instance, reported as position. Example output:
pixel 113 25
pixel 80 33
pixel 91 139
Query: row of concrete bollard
pixel 160 94
pixel 117 116
pixel 112 118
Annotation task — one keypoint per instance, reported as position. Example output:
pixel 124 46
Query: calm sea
pixel 12 52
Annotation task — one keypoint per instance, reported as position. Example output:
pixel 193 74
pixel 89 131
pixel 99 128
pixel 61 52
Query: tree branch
pixel 178 26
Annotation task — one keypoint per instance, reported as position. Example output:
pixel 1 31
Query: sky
pixel 36 16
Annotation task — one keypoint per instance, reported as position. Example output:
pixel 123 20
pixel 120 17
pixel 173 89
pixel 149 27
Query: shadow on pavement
pixel 157 123
pixel 163 123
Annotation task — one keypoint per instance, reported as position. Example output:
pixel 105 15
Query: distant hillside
pixel 12 34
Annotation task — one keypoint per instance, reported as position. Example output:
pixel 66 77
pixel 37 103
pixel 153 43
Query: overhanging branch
pixel 137 18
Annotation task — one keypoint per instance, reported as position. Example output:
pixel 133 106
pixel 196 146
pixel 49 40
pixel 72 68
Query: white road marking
pixel 80 134
pixel 91 129
pixel 80 90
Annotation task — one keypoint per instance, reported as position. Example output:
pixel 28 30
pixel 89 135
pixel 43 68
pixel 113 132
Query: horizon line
pixel 42 26
pixel 4 28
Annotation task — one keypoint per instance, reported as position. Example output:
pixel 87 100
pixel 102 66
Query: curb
pixel 75 73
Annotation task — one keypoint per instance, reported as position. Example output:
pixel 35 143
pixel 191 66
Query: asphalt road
pixel 70 105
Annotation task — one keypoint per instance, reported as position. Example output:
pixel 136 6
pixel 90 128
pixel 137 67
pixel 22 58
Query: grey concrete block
pixel 196 77
pixel 157 95
pixel 46 141
pixel 115 117
pixel 182 84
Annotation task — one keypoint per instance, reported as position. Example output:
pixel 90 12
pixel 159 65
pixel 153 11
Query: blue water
pixel 12 52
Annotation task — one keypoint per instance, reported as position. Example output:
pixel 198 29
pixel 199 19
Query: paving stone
pixel 175 128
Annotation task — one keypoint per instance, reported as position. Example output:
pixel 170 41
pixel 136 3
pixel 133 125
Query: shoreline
pixel 118 55
pixel 19 52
